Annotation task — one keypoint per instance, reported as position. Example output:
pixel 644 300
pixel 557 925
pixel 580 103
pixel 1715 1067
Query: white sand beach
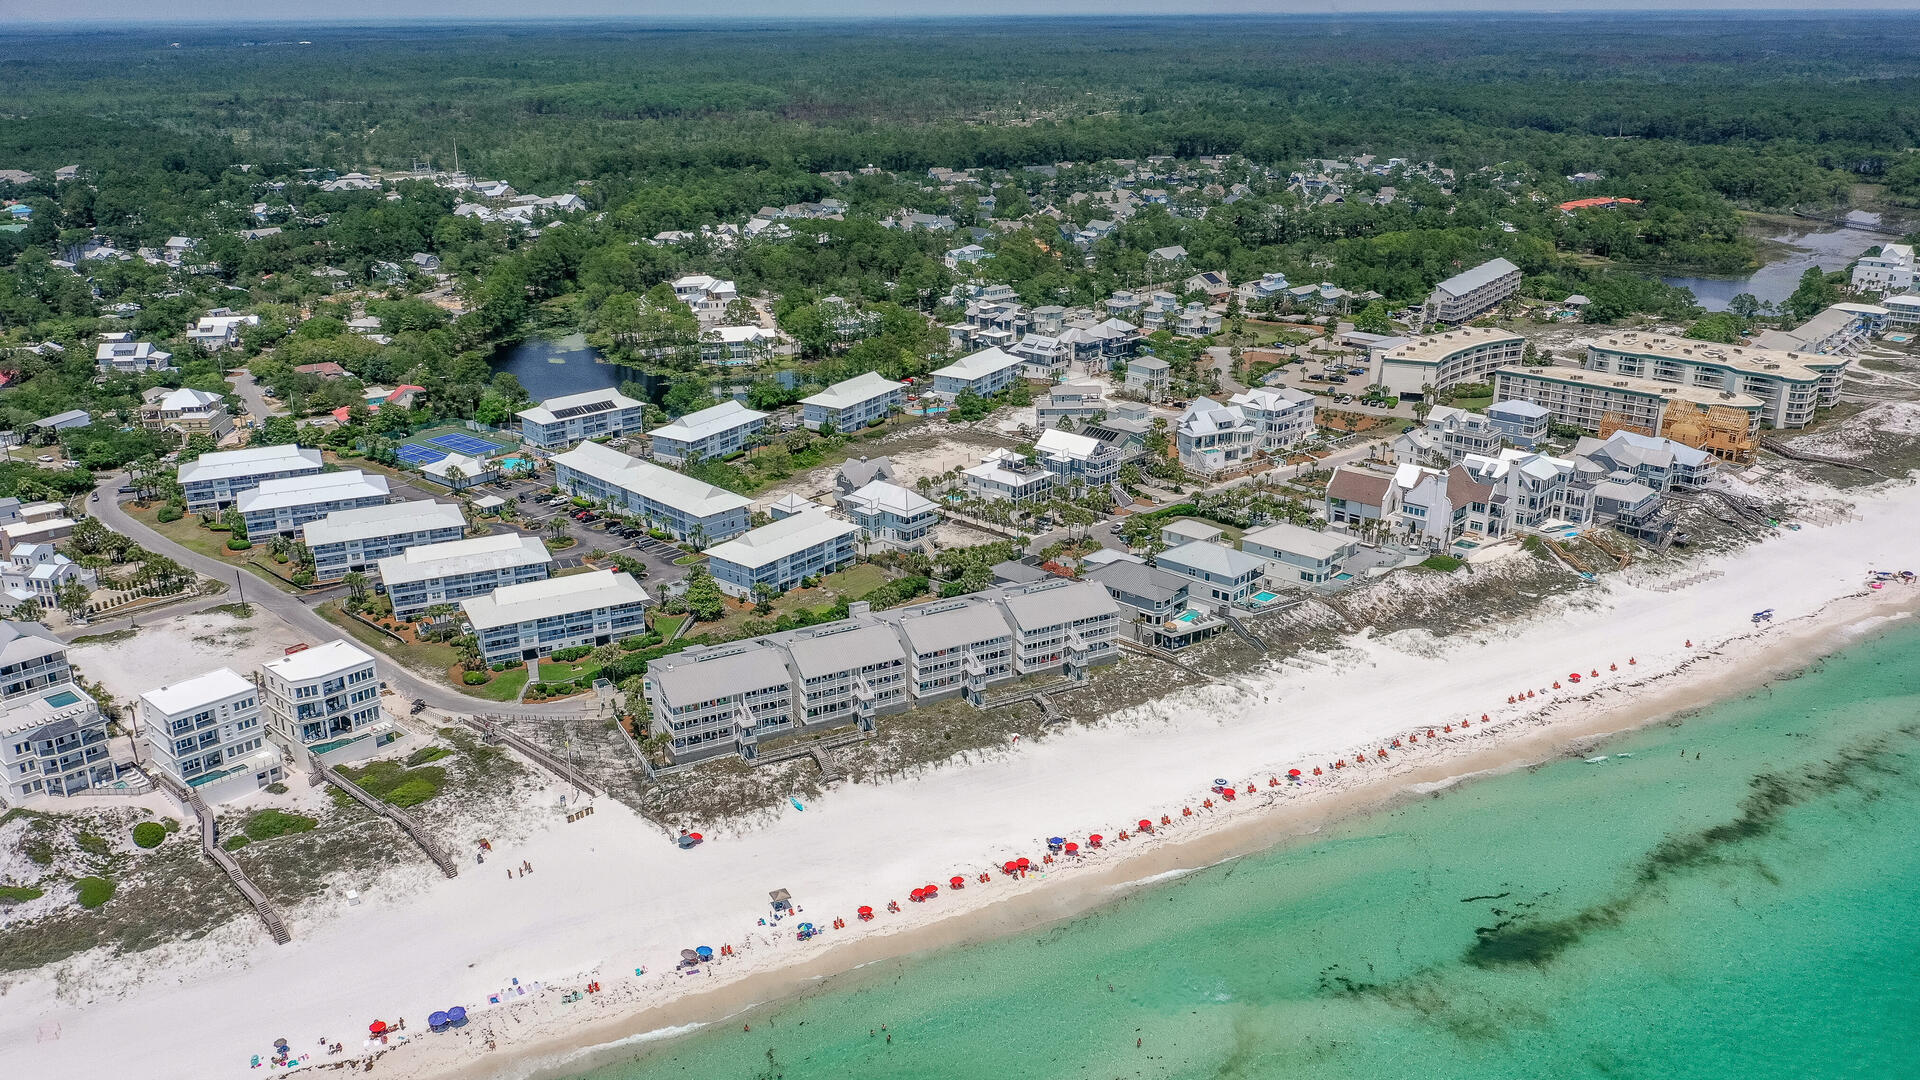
pixel 611 893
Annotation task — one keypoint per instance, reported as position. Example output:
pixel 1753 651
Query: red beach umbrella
pixel 1146 825
pixel 1072 847
pixel 957 881
pixel 1095 839
pixel 1011 867
pixel 378 1027
pixel 1024 862
pixel 930 891
pixel 1293 772
pixel 866 909
pixel 696 836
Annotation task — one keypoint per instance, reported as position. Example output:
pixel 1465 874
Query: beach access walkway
pixel 209 846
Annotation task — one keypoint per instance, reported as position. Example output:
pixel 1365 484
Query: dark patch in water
pixel 1770 795
pixel 1495 896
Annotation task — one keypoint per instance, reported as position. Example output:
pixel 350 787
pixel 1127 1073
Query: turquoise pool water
pixel 1343 577
pixel 514 463
pixel 1733 901
pixel 63 699
pixel 1265 597
pixel 1187 617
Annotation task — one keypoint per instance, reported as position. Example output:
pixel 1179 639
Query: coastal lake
pixel 1829 249
pixel 552 367
pixel 1723 897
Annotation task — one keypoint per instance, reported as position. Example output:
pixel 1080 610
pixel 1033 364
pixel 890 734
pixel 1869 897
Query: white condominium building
pixel 889 514
pixel 348 540
pixel 1467 294
pixel 208 733
pixel 986 373
pixel 560 422
pixel 323 702
pixel 1891 271
pixel 53 738
pixel 447 573
pixel 724 429
pixel 214 481
pixel 852 404
pixel 783 553
pixel 282 506
pixel 686 508
pixel 529 620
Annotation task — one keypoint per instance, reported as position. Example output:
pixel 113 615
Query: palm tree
pixel 556 525
pixel 356 583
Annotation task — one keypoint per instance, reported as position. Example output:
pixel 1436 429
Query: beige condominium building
pixel 1789 385
pixel 1593 400
pixel 1470 354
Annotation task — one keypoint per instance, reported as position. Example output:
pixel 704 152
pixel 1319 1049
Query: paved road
pixel 249 392
pixel 408 684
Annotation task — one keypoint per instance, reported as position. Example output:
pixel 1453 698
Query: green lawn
pixel 427 657
pixel 665 625
pixel 190 534
pixel 855 581
pixel 553 672
pixel 1478 403
pixel 504 687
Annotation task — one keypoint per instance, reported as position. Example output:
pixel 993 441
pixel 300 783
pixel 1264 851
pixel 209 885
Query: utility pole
pixel 240 584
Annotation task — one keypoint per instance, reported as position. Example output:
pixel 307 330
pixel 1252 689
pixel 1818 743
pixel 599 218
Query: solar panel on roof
pixel 572 411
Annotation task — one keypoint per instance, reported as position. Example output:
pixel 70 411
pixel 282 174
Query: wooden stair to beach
pixel 394 814
pixel 210 847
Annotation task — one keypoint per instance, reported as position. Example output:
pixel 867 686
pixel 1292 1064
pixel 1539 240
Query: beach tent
pixel 782 899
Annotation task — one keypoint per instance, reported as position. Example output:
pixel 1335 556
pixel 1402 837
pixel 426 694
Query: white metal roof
pixel 307 490
pixel 189 695
pixel 543 413
pixel 881 495
pixel 387 519
pixel 509 605
pixel 849 392
pixel 250 461
pixel 1468 280
pixel 330 658
pixel 677 490
pixel 1212 558
pixel 775 541
pixel 688 678
pixel 501 551
pixel 980 364
pixel 699 425
pixel 1295 540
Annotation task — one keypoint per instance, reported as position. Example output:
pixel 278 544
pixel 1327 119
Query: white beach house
pixel 782 553
pixel 209 733
pixel 449 572
pixel 324 702
pixel 852 404
pixel 283 505
pixel 214 481
pixel 724 429
pixel 560 422
pixel 529 620
pixel 686 508
pixel 347 540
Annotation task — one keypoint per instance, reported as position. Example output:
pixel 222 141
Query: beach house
pixel 1212 437
pixel 209 733
pixel 53 737
pixel 324 702
pixel 1299 556
pixel 985 373
pixel 1149 376
pixel 889 515
pixel 685 508
pixel 187 411
pixel 1003 474
pixel 448 572
pixel 1468 293
pixel 119 354
pixel 1220 574
pixel 1282 417
pixel 1077 459
pixel 713 700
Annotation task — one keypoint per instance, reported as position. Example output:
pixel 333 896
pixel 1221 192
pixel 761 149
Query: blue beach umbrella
pixel 457 1015
pixel 438 1020
pixel 704 952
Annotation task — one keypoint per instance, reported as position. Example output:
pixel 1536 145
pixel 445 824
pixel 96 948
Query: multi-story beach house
pixel 560 422
pixel 889 515
pixel 446 573
pixel 1449 435
pixel 1080 459
pixel 852 404
pixel 723 699
pixel 1299 556
pixel 1221 574
pixel 783 553
pixel 1075 402
pixel 1211 437
pixel 1662 464
pixel 1149 376
pixel 1411 367
pixel 350 540
pixel 1891 271
pixel 1063 626
pixel 187 411
pixel 1522 423
pixel 119 354
pixel 53 737
pixel 1469 293
pixel 529 620
pixel 209 733
pixel 1282 416
pixel 685 508
pixel 212 482
pixel 323 702
pixel 726 428
pixel 1003 474
pixel 1587 400
pixel 282 506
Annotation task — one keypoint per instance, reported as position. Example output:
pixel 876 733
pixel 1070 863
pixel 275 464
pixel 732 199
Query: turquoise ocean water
pixel 1752 911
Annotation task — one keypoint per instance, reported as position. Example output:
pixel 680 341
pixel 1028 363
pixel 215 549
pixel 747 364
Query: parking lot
pixel 534 506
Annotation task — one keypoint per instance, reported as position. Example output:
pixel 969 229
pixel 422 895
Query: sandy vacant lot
pixel 168 650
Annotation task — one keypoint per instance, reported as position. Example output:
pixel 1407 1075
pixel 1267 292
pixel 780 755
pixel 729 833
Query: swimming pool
pixel 1264 597
pixel 514 464
pixel 1187 617
pixel 63 699
pixel 1343 577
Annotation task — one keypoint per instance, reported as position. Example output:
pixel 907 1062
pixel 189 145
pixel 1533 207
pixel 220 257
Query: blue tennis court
pixel 416 455
pixel 465 444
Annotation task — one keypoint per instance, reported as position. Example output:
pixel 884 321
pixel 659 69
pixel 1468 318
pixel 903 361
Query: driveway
pixel 298 613
pixel 252 395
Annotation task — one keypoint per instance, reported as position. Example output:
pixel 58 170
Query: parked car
pixel 1357 371
pixel 1337 378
